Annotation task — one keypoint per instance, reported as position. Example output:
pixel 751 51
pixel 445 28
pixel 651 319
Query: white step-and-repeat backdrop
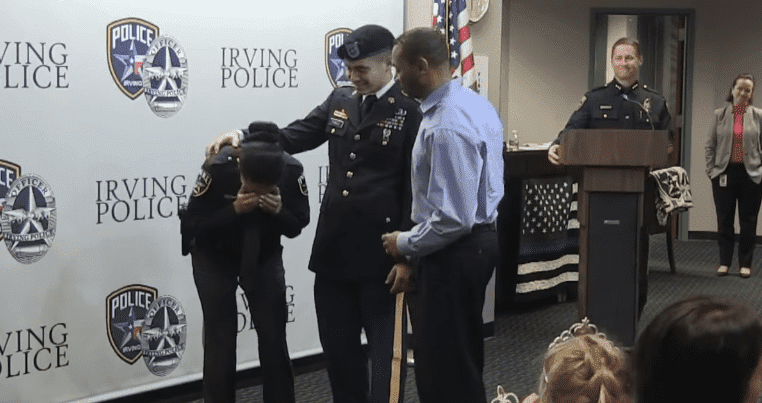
pixel 105 109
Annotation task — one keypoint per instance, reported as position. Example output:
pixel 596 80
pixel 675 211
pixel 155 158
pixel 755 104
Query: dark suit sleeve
pixel 580 119
pixel 665 121
pixel 308 133
pixel 204 222
pixel 407 193
pixel 206 215
pixel 203 218
pixel 295 212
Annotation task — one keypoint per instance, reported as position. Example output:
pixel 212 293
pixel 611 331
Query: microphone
pixel 626 98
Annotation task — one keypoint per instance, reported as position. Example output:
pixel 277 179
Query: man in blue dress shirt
pixel 457 183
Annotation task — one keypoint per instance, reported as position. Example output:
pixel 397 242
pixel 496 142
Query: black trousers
pixel 446 314
pixel 344 308
pixel 742 190
pixel 216 283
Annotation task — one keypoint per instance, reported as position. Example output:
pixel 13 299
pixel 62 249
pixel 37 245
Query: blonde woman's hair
pixel 584 369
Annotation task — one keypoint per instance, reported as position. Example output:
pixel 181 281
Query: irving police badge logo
pixel 128 42
pixel 164 333
pixel 334 65
pixel 28 218
pixel 125 311
pixel 165 76
pixel 8 173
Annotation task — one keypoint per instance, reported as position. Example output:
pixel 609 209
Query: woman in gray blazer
pixel 733 165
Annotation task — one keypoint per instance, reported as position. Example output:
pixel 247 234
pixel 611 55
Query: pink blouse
pixel 736 154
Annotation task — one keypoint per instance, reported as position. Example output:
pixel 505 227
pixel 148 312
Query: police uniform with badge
pixel 615 107
pixel 636 108
pixel 368 194
pixel 218 240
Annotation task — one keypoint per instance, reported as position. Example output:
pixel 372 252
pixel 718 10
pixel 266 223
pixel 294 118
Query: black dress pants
pixel 216 282
pixel 344 308
pixel 742 190
pixel 446 314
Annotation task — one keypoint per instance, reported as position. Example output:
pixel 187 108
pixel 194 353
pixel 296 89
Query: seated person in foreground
pixel 701 349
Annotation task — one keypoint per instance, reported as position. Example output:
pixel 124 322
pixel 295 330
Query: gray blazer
pixel 719 143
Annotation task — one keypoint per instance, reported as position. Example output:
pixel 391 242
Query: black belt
pixel 483 227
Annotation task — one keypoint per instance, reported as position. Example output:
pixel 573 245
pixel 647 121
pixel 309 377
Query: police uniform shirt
pixel 615 107
pixel 211 222
pixel 368 189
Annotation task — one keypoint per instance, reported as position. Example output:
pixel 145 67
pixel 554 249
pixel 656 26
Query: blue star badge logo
pixel 128 41
pixel 334 65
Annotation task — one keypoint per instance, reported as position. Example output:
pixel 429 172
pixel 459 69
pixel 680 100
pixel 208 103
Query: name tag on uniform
pixel 337 123
pixel 606 107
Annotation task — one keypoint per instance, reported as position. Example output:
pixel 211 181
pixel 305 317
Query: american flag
pixel 547 207
pixel 451 17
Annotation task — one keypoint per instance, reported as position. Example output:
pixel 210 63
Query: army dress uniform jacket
pixel 606 108
pixel 368 191
pixel 211 223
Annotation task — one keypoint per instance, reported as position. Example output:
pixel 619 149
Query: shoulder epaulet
pixel 645 87
pixel 345 90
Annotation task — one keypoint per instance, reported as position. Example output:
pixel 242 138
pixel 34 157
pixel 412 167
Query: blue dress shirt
pixel 457 169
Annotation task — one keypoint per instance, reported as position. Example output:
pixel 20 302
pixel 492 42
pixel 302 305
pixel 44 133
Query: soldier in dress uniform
pixel 623 104
pixel 370 129
pixel 232 228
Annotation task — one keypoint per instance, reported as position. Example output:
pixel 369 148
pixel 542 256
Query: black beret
pixel 368 40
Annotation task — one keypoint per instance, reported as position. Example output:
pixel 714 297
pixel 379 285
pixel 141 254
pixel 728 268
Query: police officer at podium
pixel 370 128
pixel 232 229
pixel 624 103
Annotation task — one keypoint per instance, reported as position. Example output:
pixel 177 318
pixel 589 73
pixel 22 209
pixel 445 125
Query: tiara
pixel 503 397
pixel 577 330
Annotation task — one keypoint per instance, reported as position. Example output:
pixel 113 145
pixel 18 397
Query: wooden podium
pixel 615 165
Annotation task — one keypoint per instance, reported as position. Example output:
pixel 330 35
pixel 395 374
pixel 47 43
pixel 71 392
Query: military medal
pixel 387 135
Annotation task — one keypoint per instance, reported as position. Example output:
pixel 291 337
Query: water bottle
pixel 513 141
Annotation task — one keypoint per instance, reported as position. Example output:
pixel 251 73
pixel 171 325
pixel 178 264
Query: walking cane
pixel 399 357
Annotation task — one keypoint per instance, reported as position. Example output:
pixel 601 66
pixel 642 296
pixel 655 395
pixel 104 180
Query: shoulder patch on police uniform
pixel 203 182
pixel 303 184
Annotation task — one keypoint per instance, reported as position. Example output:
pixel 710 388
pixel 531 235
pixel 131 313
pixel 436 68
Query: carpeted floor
pixel 512 356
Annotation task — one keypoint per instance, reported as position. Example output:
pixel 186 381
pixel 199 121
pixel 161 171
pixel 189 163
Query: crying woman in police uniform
pixel 232 228
pixel 623 103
